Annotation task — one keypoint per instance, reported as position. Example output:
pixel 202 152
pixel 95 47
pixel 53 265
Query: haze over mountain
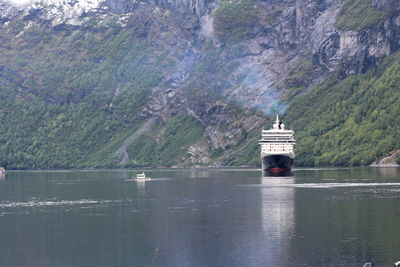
pixel 108 83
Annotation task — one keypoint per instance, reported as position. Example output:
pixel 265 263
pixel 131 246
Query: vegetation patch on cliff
pixel 171 148
pixel 299 76
pixel 358 15
pixel 235 19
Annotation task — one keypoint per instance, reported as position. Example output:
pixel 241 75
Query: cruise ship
pixel 277 148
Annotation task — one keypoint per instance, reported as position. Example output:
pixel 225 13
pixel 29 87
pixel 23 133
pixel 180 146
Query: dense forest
pixel 350 121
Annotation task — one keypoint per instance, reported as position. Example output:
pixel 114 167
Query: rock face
pixel 119 6
pixel 286 31
pixel 359 50
pixel 309 28
pixel 198 7
pixel 389 161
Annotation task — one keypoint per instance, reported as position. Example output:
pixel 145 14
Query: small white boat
pixel 140 176
pixel 2 171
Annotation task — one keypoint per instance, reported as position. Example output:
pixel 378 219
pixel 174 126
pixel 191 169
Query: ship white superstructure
pixel 277 147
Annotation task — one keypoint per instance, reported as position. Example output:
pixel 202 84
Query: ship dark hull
pixel 277 164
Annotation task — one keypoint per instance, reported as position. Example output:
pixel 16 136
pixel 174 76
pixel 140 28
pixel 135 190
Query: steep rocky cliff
pixel 171 83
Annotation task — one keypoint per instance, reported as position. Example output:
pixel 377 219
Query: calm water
pixel 325 217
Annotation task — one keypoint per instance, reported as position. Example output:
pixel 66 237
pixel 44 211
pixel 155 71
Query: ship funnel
pixel 277 123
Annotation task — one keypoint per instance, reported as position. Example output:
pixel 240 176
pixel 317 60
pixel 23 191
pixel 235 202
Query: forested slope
pixel 351 121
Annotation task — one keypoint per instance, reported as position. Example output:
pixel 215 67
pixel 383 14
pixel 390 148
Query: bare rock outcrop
pixel 389 161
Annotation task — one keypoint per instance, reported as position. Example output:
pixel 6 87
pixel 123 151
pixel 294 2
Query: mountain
pixel 111 83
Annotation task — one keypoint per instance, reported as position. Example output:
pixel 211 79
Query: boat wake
pixel 329 185
pixel 37 203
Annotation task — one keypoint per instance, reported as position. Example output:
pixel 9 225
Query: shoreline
pixel 384 165
pixel 227 168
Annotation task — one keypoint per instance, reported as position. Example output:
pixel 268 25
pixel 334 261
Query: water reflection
pixel 388 171
pixel 125 174
pixel 276 174
pixel 278 217
pixel 232 218
pixel 140 188
pixel 199 174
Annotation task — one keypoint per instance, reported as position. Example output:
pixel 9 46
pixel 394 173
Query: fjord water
pixel 234 217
